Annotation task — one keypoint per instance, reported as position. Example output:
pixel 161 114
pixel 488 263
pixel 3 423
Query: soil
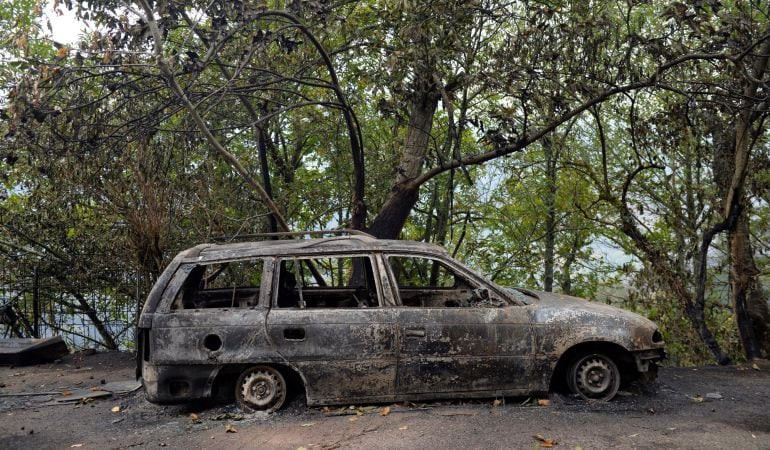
pixel 707 407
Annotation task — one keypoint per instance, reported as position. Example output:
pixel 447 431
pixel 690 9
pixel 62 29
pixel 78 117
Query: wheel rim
pixel 595 377
pixel 261 389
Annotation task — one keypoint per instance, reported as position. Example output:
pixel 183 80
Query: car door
pixel 328 321
pixel 453 338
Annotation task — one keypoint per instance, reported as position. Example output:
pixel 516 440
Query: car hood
pixel 549 307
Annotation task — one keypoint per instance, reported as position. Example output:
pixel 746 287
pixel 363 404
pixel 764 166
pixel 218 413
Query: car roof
pixel 292 247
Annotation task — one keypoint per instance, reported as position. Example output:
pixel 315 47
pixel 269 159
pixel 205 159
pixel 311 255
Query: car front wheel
pixel 594 377
pixel 260 388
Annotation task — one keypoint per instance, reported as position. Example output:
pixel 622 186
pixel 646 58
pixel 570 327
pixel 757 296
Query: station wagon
pixel 346 318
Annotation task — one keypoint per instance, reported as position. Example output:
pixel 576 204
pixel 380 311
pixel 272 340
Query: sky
pixel 66 27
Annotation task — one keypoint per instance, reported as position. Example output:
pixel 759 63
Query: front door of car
pixel 453 336
pixel 327 320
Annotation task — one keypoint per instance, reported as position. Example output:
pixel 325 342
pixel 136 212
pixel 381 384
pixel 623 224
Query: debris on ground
pixel 545 443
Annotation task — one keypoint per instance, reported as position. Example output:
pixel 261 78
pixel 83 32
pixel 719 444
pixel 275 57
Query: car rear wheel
pixel 260 388
pixel 594 377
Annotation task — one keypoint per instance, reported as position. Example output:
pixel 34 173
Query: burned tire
pixel 260 388
pixel 594 377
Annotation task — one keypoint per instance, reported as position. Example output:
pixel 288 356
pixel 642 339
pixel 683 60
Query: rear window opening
pixel 233 284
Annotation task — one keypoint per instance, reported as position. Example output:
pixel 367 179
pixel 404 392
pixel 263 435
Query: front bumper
pixel 643 358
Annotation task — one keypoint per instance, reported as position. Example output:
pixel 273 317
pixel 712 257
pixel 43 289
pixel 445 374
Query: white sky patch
pixel 65 27
pixel 610 252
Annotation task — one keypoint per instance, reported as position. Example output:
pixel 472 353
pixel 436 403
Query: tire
pixel 594 377
pixel 260 388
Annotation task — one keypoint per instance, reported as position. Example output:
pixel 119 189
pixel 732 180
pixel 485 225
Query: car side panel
pixel 188 348
pixel 343 353
pixel 464 349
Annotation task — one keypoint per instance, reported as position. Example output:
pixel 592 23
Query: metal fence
pixel 35 304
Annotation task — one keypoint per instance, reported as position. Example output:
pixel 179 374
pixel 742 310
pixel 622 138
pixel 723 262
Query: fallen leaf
pixel 754 366
pixel 497 403
pixel 385 411
pixel 545 443
pixel 115 409
pixel 194 417
pixel 697 399
pixel 309 424
pixel 96 389
pixel 353 419
pixel 66 393
pixel 230 429
pixel 543 402
pixel 360 413
pixel 404 427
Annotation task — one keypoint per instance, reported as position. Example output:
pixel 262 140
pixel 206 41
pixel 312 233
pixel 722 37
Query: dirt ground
pixel 708 407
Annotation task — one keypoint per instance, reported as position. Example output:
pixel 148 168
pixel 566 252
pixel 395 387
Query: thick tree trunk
pixel 404 194
pixel 745 286
pixel 731 152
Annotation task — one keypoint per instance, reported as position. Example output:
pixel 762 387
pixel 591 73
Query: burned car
pixel 349 318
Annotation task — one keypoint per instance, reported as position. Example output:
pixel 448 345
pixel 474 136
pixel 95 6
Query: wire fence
pixel 36 304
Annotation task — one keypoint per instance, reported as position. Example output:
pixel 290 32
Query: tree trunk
pixel 551 158
pixel 262 138
pixel 744 285
pixel 565 281
pixel 675 282
pixel 404 194
pixel 731 152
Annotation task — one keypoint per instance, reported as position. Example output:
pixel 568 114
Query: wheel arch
pixel 619 354
pixel 223 385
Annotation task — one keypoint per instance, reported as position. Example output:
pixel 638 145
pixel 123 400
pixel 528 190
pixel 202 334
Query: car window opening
pixel 233 284
pixel 326 282
pixel 429 283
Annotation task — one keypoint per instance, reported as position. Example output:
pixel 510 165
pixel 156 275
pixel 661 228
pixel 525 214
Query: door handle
pixel 415 332
pixel 294 334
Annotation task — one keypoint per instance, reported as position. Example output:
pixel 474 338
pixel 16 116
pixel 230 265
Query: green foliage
pixel 105 176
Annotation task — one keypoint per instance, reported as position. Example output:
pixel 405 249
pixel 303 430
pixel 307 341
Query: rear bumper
pixel 177 384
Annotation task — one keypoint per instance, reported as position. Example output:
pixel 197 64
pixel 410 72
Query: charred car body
pixel 351 318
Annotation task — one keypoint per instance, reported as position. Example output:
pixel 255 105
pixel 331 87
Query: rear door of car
pixel 327 319
pixel 454 335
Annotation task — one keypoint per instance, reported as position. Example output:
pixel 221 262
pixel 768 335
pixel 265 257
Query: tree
pixel 183 120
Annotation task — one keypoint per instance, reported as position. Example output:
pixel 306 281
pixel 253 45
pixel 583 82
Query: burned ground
pixel 709 407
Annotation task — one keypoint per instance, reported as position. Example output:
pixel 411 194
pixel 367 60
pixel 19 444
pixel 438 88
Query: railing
pixel 33 304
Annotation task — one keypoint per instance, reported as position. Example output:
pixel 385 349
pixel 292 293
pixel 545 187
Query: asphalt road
pixel 708 407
